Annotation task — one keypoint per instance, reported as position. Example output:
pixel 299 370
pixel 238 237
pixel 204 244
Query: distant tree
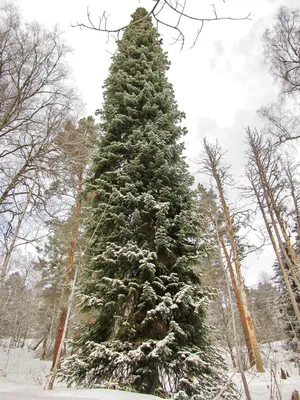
pixel 144 305
pixel 285 306
pixel 265 307
pixel 16 300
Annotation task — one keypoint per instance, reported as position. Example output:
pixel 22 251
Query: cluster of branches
pixel 162 12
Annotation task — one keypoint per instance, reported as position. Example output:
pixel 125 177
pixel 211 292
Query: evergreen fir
pixel 145 308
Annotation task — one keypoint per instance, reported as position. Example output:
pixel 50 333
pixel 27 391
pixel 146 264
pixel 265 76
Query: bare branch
pixel 282 50
pixel 178 10
pixel 281 123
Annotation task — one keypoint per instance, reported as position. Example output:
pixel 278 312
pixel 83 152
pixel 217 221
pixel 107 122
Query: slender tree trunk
pixel 44 349
pixel 15 235
pixel 230 348
pixel 24 337
pixel 17 334
pixel 55 365
pixel 37 344
pixel 238 354
pixel 6 302
pixel 64 309
pixel 239 305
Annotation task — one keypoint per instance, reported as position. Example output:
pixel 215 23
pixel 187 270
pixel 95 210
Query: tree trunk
pixel 64 310
pixel 238 354
pixel 37 344
pixel 44 349
pixel 239 305
pixel 55 365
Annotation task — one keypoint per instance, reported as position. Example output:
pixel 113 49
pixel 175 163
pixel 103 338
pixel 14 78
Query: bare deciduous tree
pixel 34 96
pixel 36 100
pixel 282 44
pixel 212 164
pixel 271 190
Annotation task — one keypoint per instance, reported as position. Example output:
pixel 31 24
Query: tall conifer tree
pixel 145 308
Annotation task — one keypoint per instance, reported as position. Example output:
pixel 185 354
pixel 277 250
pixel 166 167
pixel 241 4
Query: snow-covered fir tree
pixel 145 308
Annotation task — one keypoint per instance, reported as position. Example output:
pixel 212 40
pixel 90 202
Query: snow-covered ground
pixel 23 377
pixel 269 385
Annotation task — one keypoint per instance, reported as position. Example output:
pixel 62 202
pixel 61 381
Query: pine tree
pixel 145 308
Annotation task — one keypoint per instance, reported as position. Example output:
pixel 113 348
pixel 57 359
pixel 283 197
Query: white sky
pixel 219 84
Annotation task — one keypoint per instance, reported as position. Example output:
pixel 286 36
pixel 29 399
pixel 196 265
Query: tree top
pixel 139 13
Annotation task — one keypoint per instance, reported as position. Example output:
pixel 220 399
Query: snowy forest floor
pixel 277 357
pixel 23 377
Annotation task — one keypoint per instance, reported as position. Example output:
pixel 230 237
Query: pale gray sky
pixel 219 84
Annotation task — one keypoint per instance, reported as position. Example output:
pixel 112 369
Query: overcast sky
pixel 219 83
